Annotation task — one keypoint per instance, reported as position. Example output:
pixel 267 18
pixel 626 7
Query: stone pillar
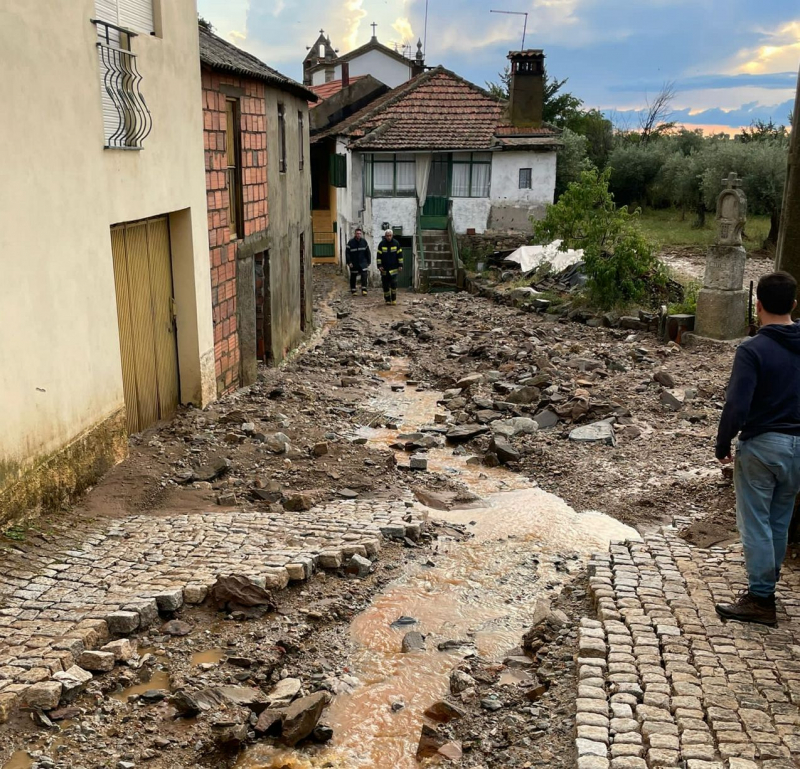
pixel 722 303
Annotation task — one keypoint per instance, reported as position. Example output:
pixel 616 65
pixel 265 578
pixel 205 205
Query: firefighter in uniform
pixel 358 260
pixel 390 263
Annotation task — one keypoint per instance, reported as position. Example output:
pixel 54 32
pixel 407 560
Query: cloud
pixel 773 80
pixel 779 50
pixel 402 26
pixel 354 13
pixel 735 118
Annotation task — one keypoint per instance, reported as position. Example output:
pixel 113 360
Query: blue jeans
pixel 767 480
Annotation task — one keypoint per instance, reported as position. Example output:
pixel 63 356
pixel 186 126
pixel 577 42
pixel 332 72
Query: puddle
pixel 209 657
pixel 526 544
pixel 19 760
pixel 159 680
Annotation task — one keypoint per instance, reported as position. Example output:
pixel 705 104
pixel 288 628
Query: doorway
pixel 146 316
pixel 263 307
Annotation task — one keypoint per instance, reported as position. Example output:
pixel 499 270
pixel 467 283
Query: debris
pixel 412 642
pixel 597 432
pixel 236 592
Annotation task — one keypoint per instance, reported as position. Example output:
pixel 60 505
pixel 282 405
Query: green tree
pixel 619 261
pixel 635 168
pixel 571 161
pixel 599 132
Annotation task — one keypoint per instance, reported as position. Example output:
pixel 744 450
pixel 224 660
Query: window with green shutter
pixel 338 170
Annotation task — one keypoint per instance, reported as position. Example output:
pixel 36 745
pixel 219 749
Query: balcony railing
pixel 126 119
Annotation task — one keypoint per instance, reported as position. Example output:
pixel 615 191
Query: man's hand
pixel 726 460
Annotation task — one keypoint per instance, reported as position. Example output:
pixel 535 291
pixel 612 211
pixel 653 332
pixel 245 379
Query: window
pixel 301 139
pixel 136 15
pixel 525 178
pixel 472 175
pixel 389 175
pixel 233 155
pixel 282 137
pixel 338 170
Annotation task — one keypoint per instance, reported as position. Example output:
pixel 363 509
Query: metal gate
pixel 146 317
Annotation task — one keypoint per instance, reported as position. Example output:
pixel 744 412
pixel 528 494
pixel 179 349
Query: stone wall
pixel 491 241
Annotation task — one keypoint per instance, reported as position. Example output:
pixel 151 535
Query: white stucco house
pixel 437 157
pixel 323 63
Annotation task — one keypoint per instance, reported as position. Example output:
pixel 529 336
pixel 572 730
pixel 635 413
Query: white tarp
pixel 531 257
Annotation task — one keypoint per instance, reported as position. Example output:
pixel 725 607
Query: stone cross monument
pixel 722 303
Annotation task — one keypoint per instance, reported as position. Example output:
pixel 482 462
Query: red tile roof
pixel 326 90
pixel 437 110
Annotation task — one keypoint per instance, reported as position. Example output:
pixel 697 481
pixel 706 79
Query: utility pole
pixel 787 255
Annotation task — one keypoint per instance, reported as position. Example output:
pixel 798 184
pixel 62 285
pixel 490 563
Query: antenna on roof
pixel 425 33
pixel 525 26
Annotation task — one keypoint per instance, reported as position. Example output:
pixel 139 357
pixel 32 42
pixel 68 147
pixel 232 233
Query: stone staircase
pixel 438 260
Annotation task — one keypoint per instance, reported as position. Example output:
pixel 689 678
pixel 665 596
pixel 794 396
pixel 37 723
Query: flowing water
pixel 479 592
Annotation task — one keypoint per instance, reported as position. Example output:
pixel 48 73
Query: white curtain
pixel 481 174
pixel 383 178
pixel 460 183
pixel 423 172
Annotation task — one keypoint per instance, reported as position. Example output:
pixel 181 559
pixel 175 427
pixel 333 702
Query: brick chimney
pixel 526 88
pixel 345 74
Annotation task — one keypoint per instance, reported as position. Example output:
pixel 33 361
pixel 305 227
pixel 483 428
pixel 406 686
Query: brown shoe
pixel 749 608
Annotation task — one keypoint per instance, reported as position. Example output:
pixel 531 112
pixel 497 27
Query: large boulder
pixel 301 717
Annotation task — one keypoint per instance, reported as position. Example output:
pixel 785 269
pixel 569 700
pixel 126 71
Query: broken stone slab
pixel 413 641
pixel 284 692
pixel 359 566
pixel 301 717
pixel 466 432
pixel 451 751
pixel 419 462
pixel 97 661
pixel 510 428
pixel 503 449
pixel 123 650
pixel 73 681
pixel 444 712
pixel 597 432
pixel 673 400
pixel 430 742
pixel 43 696
pixel 547 418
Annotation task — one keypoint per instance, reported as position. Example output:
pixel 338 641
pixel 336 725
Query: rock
pixel 537 690
pixel 471 379
pixel 403 621
pixel 195 593
pixel 348 494
pixel 231 736
pixel 546 418
pixel 451 751
pixel 515 426
pixel 122 622
pixel 322 734
pixel 277 443
pixel 73 681
pixel 412 642
pixel 226 499
pixel 214 469
pixel 491 703
pixel 430 742
pixel 185 704
pixel 585 364
pixel 243 696
pixel 664 378
pixel 236 592
pixel 350 381
pixel 597 432
pixel 518 663
pixel 673 400
pixel 301 717
pixel 270 722
pixel 300 501
pixel 320 449
pixel 176 628
pixel 240 662
pixel 123 650
pixel 524 396
pixel 464 433
pixel 460 681
pixel 444 712
pixel 284 692
pixel 64 714
pixel 419 462
pixel 43 696
pixel 154 695
pixel 632 324
pixel 97 662
pixel 503 450
pixel 359 566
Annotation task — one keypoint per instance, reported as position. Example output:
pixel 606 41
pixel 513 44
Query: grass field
pixel 666 228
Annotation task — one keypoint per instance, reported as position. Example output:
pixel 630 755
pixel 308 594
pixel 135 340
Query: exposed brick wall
pixel 223 249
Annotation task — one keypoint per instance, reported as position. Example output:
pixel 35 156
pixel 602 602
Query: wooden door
pixel 146 318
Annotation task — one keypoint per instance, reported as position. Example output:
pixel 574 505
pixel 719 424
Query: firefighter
pixel 359 259
pixel 390 264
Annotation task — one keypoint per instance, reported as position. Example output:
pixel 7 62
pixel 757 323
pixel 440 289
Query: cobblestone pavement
pixel 665 683
pixel 71 594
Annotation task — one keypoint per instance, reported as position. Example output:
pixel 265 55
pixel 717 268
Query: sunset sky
pixel 732 61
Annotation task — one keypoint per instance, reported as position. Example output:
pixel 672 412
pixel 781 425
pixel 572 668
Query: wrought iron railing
pixel 126 119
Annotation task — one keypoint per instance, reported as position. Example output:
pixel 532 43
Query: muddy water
pixel 209 657
pixel 19 760
pixel 159 680
pixel 480 592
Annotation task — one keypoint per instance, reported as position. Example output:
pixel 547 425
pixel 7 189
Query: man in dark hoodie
pixel 763 402
pixel 358 260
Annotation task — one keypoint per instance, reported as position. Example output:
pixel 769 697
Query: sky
pixel 731 61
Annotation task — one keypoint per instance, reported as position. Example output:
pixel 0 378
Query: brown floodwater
pixel 480 591
pixel 208 657
pixel 159 680
pixel 19 760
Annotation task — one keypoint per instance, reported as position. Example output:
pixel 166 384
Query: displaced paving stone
pixel 44 696
pixel 73 681
pixel 123 650
pixel 97 661
pixel 122 622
